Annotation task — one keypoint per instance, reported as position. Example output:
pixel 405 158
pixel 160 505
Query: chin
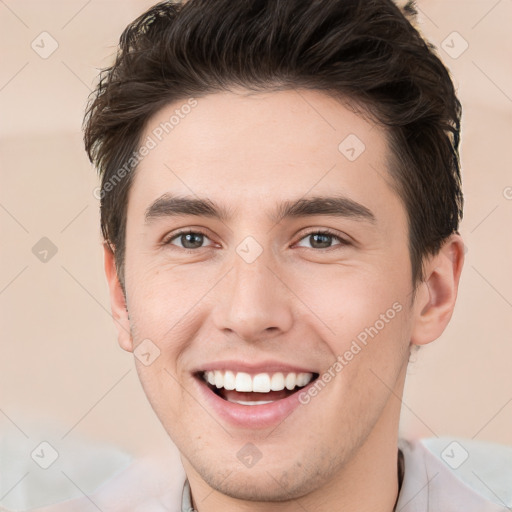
pixel 279 480
pixel 263 487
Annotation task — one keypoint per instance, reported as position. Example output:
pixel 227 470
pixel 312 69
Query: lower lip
pixel 251 416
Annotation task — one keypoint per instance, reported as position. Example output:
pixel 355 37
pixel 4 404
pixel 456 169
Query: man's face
pixel 258 295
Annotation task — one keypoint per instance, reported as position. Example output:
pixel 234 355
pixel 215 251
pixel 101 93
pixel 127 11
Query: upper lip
pixel 270 366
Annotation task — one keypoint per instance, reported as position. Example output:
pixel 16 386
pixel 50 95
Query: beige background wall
pixel 61 370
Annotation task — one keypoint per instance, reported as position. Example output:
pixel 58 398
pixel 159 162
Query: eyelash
pixel 326 231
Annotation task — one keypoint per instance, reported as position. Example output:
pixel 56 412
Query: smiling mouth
pixel 263 388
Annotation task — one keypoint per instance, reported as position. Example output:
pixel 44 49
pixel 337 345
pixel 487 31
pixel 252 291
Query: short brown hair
pixel 364 51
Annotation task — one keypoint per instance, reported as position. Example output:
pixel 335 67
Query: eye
pixel 188 238
pixel 322 239
pixel 192 240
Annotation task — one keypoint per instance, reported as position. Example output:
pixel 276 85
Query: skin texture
pixel 298 303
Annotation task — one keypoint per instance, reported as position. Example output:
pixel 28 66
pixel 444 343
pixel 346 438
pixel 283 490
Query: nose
pixel 253 302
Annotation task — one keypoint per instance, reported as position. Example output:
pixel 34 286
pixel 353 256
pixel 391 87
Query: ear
pixel 436 295
pixel 117 301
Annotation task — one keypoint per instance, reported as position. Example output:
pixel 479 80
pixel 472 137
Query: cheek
pixel 364 320
pixel 163 296
pixel 162 315
pixel 346 300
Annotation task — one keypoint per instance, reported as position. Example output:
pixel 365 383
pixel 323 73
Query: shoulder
pixel 450 472
pixel 147 484
pixel 79 474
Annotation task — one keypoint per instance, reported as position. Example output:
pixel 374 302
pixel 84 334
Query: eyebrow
pixel 169 205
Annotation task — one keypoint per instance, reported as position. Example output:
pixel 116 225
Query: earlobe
pixel 436 300
pixel 117 301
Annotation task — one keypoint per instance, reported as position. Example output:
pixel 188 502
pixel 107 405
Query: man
pixel 280 202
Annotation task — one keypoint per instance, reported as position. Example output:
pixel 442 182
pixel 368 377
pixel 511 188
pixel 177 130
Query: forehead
pixel 257 149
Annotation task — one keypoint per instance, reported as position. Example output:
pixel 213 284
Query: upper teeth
pixel 260 383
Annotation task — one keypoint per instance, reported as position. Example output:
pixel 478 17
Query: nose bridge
pixel 253 302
